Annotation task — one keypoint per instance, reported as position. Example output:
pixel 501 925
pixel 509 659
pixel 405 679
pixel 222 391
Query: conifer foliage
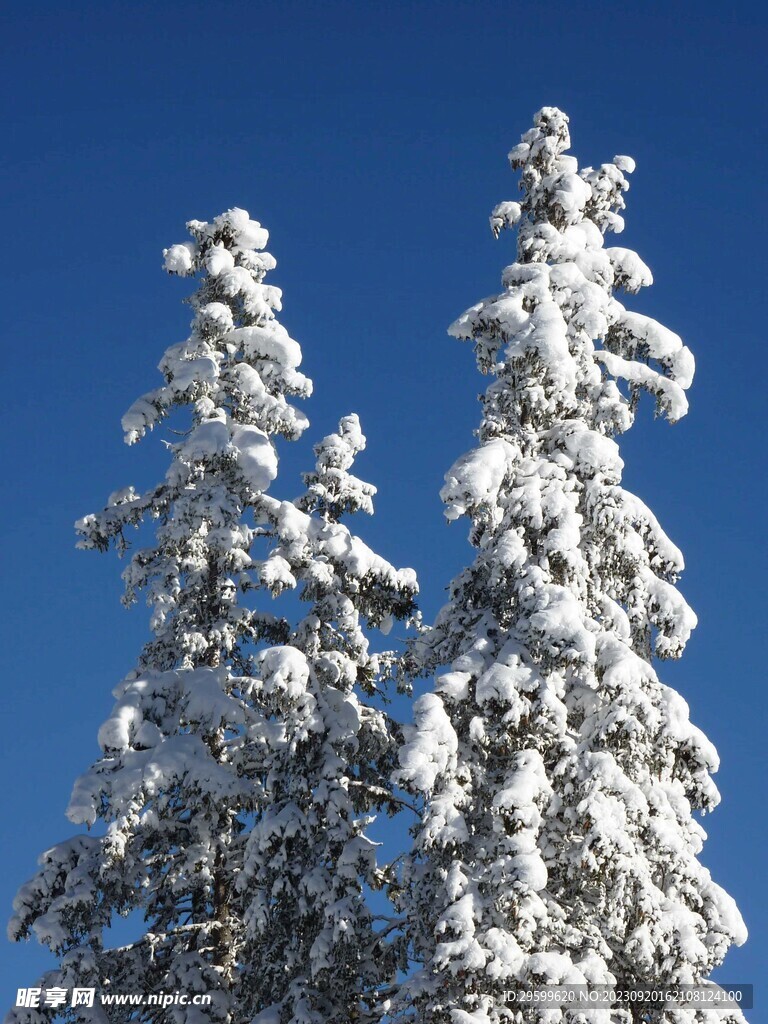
pixel 559 776
pixel 243 758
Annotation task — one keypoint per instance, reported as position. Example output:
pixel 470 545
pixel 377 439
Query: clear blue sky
pixel 370 139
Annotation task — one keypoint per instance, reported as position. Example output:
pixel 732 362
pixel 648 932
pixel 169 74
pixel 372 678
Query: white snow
pixel 180 259
pixel 256 456
pixel 430 745
pixel 271 342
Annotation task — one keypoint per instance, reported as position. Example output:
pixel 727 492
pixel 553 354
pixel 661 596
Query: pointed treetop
pixel 558 313
pixel 331 488
pixel 557 194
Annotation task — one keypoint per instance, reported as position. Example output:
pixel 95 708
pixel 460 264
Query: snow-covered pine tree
pixel 559 776
pixel 241 762
pixel 320 957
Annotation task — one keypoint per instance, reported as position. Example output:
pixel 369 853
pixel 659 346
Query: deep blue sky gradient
pixel 370 139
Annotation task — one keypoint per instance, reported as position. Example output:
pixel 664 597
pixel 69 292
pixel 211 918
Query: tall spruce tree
pixel 242 759
pixel 559 776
